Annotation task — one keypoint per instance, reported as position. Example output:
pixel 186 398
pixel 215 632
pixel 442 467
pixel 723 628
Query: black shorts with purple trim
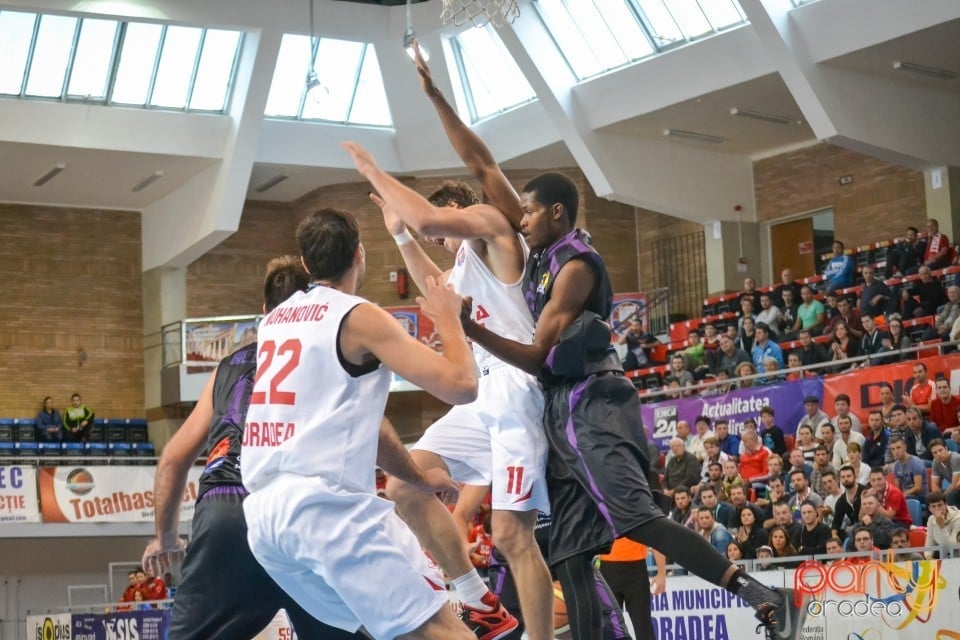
pixel 598 465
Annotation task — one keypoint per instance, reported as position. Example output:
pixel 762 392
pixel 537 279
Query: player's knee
pixel 512 535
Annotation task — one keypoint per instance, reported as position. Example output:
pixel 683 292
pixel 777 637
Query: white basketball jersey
pixel 498 306
pixel 307 414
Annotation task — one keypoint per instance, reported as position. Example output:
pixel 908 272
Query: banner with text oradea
pixel 106 494
pixel 18 495
pixel 660 418
pixel 863 385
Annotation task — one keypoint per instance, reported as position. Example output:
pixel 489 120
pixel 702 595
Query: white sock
pixel 471 589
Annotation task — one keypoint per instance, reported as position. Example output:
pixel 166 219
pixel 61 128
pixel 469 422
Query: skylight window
pixel 351 86
pixel 596 36
pixel 490 80
pixel 95 60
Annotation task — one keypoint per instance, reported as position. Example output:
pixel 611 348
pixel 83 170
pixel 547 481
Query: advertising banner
pixel 626 308
pixel 863 385
pixel 660 418
pixel 207 341
pixel 417 325
pixel 145 624
pixel 52 626
pixel 106 494
pixel 18 495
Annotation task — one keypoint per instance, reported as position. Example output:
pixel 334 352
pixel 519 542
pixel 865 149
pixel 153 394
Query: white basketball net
pixel 479 12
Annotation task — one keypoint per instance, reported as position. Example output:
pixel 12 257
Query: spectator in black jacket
pixel 847 510
pixel 908 255
pixel 930 293
pixel 772 435
pixel 811 352
pixel 813 534
pixel 49 422
pixel 876 439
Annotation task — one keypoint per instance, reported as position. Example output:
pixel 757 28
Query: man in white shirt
pixel 847 435
pixel 842 406
pixel 814 416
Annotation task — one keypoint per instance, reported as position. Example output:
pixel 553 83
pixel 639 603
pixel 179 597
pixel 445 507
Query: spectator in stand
pixel 896 339
pixel 875 297
pixel 937 252
pixel 805 442
pixel 944 407
pixel 695 354
pixel 810 313
pixel 802 492
pixel 764 487
pixel 863 542
pixel 874 519
pixel 729 444
pixel 909 472
pixel 813 534
pixel 793 366
pixel 750 292
pixel 945 470
pixel 919 435
pixel 744 370
pixel 678 371
pixel 930 292
pixel 841 404
pixel 747 310
pixel 750 534
pixel 814 417
pixel 763 347
pixel 847 436
pixel 943 525
pixel 49 422
pixel 908 254
pixel 847 509
pixel 747 334
pixel 132 585
pixel 872 343
pixel 848 313
pixel 696 443
pixel 716 533
pixel 876 441
pixel 151 587
pixel 843 346
pixel 731 479
pixel 831 494
pixel 948 315
pixel 787 283
pixel 735 552
pixel 770 315
pixel 729 356
pixel 77 420
pixel 711 342
pixel 782 546
pixel 838 274
pixel 830 310
pixel 797 463
pixel 855 462
pixel 898 428
pixel 713 481
pixel 764 554
pixel 788 312
pixel 907 306
pixel 835 547
pixel 683 469
pixel 893 504
pixel 638 344
pixel 738 500
pixel 887 402
pixel 754 457
pixel 709 500
pixel 771 433
pixel 682 512
pixel 821 466
pixel 922 391
pixel 811 353
pixel 899 542
pixel 828 436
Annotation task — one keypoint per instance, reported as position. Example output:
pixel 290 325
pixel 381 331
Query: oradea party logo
pixel 80 482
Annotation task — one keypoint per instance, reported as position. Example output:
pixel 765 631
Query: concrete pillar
pixel 942 191
pixel 164 302
pixel 724 249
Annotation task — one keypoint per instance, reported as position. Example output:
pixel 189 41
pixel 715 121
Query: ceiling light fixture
pixel 50 175
pixel 765 117
pixel 410 36
pixel 149 180
pixel 271 183
pixel 693 135
pixel 923 70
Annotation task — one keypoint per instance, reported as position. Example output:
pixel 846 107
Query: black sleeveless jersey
pixel 231 397
pixel 544 265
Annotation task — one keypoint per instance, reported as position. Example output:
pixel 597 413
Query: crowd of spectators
pixel 143 588
pixel 72 425
pixel 832 323
pixel 837 486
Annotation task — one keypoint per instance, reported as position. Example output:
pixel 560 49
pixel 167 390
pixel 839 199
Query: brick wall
pixel 71 284
pixel 882 200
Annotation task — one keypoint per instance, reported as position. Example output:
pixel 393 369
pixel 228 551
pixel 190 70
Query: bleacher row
pixel 722 309
pixel 113 438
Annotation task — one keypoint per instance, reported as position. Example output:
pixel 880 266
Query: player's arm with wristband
pixel 418 262
pixel 171 479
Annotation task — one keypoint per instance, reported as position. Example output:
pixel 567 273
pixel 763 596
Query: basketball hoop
pixel 479 12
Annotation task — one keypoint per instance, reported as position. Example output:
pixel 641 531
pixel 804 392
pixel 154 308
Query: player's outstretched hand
pixel 439 481
pixel 440 300
pixel 658 584
pixel 362 159
pixel 426 79
pixel 391 220
pixel 159 554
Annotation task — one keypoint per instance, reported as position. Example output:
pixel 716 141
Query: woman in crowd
pixel 844 345
pixel 750 535
pixel 782 548
pixel 806 443
pixel 898 339
pixel 860 470
pixel 747 335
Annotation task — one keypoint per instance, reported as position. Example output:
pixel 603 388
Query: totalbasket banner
pixel 18 495
pixel 106 494
pixel 660 418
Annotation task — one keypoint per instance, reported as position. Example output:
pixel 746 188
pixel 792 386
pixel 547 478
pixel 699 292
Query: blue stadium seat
pixel 71 449
pixel 916 511
pixel 96 451
pixel 116 430
pixel 98 432
pixel 26 449
pixel 7 449
pixel 137 430
pixel 25 430
pixel 6 433
pixel 47 451
pixel 119 452
pixel 144 451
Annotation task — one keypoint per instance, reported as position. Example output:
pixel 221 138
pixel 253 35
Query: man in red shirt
pixel 131 587
pixel 944 407
pixel 151 587
pixel 936 251
pixel 922 390
pixel 753 460
pixel 892 503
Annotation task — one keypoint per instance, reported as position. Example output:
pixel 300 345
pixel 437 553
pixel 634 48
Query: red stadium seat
pixel 918 536
pixel 790 441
